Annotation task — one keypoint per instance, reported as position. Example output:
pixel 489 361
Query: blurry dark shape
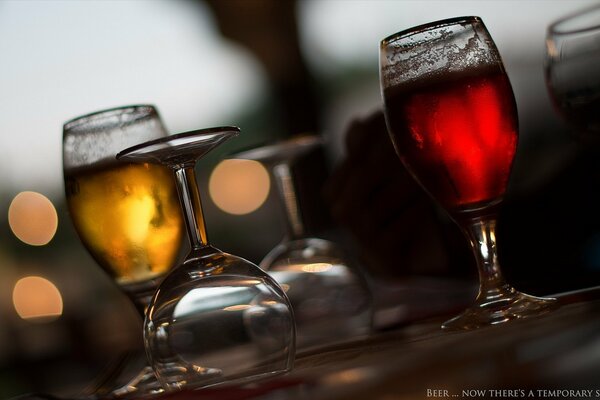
pixel 561 219
pixel 396 225
pixel 389 213
pixel 269 29
pixel 37 396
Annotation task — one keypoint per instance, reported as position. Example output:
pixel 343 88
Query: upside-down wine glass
pixel 573 71
pixel 330 295
pixel 126 215
pixel 216 317
pixel 452 117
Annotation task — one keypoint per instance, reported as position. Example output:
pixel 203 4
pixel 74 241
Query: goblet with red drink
pixel 452 117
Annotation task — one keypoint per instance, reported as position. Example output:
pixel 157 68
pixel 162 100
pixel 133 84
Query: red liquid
pixel 457 136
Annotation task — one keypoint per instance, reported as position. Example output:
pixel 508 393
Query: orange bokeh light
pixel 35 297
pixel 32 218
pixel 239 186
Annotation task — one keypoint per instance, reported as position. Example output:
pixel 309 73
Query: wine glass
pixel 452 118
pixel 216 317
pixel 573 73
pixel 330 296
pixel 126 215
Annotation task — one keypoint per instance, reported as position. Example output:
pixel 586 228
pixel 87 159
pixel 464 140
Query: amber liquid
pixel 128 217
pixel 457 135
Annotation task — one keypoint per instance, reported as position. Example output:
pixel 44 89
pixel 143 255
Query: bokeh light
pixel 36 298
pixel 32 218
pixel 239 186
pixel 317 267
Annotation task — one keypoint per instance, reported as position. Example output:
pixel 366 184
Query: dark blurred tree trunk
pixel 269 29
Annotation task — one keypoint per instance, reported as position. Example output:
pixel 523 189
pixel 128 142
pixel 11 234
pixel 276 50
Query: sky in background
pixel 62 59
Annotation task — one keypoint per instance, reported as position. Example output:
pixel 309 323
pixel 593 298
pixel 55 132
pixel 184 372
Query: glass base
pixel 177 376
pixel 498 306
pixel 195 377
pixel 143 384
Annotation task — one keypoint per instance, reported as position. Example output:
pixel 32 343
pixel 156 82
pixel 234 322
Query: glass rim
pixel 281 149
pixel 108 112
pixel 555 29
pixel 230 130
pixel 428 26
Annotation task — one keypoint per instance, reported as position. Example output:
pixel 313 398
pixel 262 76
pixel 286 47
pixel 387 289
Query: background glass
pixel 573 71
pixel 330 294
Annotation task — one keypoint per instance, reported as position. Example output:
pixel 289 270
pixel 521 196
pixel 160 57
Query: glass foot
pixel 499 306
pixel 178 376
pixel 144 384
pixel 128 377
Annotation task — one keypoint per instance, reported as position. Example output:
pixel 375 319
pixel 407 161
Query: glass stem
pixel 189 195
pixel 294 226
pixel 481 232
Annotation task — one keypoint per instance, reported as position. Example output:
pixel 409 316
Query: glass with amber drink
pixel 452 118
pixel 127 215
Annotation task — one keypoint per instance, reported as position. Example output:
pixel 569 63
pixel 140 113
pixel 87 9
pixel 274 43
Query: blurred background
pixel 273 68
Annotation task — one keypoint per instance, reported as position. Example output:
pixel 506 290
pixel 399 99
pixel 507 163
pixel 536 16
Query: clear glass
pixel 216 317
pixel 330 294
pixel 573 72
pixel 126 215
pixel 452 117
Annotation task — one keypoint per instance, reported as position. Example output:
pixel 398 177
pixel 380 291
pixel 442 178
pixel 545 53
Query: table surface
pixel 555 355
